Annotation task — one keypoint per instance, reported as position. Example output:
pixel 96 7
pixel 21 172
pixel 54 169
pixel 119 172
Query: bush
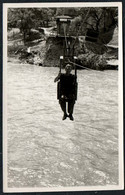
pixel 33 35
pixel 15 49
pixel 93 61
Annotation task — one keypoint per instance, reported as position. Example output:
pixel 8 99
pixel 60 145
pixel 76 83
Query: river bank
pixel 47 51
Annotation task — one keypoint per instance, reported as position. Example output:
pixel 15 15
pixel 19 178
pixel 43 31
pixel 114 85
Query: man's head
pixel 68 68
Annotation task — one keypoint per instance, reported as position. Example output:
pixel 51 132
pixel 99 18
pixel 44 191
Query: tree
pixel 23 18
pixel 47 15
pixel 60 11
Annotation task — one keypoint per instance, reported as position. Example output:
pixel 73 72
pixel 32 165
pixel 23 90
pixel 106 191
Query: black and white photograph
pixel 62 97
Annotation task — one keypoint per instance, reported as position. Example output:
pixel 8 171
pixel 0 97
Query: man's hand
pixel 57 78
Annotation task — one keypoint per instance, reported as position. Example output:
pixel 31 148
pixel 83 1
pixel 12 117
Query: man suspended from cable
pixel 67 91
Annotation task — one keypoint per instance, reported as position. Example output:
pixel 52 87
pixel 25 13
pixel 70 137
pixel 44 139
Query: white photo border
pixel 120 92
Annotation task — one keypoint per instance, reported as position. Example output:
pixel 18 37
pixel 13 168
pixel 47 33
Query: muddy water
pixel 43 150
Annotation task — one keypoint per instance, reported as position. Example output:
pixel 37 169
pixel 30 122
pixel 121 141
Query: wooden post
pixel 61 62
pixel 75 58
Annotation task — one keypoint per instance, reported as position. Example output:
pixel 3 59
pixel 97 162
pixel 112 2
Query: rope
pixel 74 44
pixel 87 68
pixel 79 65
pixel 65 37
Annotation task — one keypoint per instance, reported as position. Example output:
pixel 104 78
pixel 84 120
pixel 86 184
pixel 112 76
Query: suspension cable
pixel 74 44
pixel 86 68
pixel 65 37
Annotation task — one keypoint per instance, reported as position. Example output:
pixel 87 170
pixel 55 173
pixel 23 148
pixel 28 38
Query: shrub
pixel 33 35
pixel 15 49
pixel 93 61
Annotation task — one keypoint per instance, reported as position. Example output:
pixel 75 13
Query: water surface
pixel 43 150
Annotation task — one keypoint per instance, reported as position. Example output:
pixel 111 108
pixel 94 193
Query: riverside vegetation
pixel 32 36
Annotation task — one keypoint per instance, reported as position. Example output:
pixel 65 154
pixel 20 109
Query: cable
pixel 65 37
pixel 86 68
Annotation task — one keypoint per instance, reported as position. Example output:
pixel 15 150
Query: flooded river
pixel 43 150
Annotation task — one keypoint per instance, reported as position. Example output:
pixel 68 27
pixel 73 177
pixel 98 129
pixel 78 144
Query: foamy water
pixel 43 150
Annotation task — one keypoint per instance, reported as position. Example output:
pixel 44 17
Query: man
pixel 67 91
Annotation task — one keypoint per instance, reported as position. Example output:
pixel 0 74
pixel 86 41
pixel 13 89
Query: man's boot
pixel 64 116
pixel 71 117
